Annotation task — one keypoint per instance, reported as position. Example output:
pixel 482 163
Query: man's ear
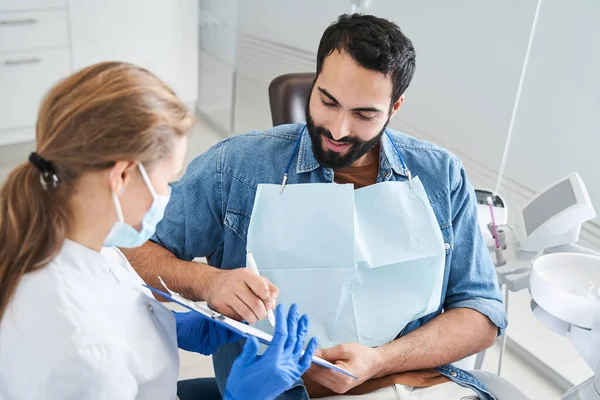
pixel 396 106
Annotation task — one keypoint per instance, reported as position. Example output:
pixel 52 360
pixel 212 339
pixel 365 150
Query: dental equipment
pixel 499 256
pixel 563 277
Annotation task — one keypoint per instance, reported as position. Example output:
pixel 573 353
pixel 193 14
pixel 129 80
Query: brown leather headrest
pixel 288 95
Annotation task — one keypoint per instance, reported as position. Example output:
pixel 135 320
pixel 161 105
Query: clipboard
pixel 241 329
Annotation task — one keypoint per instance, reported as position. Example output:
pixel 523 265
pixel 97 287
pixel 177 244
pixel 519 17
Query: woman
pixel 76 324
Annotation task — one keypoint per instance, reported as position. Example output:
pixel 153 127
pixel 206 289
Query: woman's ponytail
pixel 34 219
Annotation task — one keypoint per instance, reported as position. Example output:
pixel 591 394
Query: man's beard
pixel 330 159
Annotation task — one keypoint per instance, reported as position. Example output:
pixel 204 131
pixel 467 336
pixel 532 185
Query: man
pixel 364 65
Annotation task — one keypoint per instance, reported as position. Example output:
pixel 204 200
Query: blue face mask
pixel 126 236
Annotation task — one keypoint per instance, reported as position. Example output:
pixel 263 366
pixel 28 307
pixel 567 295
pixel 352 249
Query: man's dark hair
pixel 374 43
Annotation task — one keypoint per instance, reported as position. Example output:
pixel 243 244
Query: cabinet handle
pixel 24 21
pixel 32 60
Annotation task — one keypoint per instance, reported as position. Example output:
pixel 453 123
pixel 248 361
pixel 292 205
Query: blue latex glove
pixel 201 335
pixel 266 377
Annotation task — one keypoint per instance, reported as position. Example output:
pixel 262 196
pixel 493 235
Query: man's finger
pixel 274 290
pixel 226 310
pixel 322 375
pixel 258 285
pixel 336 353
pixel 242 309
pixel 255 304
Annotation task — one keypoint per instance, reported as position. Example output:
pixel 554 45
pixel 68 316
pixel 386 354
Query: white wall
pixel 218 38
pixel 558 126
pixel 163 34
pixel 299 24
pixel 469 55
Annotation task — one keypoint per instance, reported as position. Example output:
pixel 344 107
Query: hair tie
pixel 48 175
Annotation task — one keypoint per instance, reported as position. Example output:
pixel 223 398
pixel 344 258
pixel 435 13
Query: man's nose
pixel 340 127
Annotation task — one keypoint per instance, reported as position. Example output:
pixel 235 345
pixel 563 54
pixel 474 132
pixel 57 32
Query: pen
pixel 254 268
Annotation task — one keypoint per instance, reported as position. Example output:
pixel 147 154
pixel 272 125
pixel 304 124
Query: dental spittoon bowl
pixel 567 285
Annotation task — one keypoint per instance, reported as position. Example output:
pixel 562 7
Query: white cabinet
pixel 43 41
pixel 26 5
pixel 33 30
pixel 24 79
pixel 34 54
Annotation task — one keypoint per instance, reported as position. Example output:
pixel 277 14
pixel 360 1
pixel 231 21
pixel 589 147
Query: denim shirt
pixel 210 208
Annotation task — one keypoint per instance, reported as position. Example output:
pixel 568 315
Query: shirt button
pixel 447 246
pixel 453 374
pixel 149 308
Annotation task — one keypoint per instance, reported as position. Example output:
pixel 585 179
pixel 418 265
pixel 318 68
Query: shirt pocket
pixel 238 221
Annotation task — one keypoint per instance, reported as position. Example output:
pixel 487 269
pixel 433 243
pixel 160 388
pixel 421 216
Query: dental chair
pixel 288 95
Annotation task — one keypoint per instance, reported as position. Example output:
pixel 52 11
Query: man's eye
pixel 364 117
pixel 326 104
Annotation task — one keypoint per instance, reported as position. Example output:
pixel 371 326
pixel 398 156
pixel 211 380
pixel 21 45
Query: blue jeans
pixel 198 389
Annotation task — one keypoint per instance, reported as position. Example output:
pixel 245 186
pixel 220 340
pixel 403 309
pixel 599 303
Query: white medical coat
pixel 84 328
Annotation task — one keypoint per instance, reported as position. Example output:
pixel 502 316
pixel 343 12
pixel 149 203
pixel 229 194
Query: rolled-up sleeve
pixel 473 282
pixel 192 225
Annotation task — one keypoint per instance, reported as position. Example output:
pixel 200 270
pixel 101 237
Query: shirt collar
pixel 388 158
pixel 306 158
pixel 83 258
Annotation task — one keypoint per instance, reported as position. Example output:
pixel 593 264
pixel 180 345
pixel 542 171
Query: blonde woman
pixel 76 324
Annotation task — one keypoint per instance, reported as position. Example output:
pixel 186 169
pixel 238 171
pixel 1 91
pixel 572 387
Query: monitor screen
pixel 550 203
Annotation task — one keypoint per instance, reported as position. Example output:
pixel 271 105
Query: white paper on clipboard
pixel 231 324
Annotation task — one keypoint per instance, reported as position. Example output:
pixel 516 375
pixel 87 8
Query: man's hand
pixel 362 361
pixel 241 294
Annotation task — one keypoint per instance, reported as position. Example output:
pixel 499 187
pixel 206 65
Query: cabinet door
pixel 25 5
pixel 24 79
pixel 33 30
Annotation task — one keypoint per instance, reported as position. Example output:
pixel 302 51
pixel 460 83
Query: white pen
pixel 254 268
